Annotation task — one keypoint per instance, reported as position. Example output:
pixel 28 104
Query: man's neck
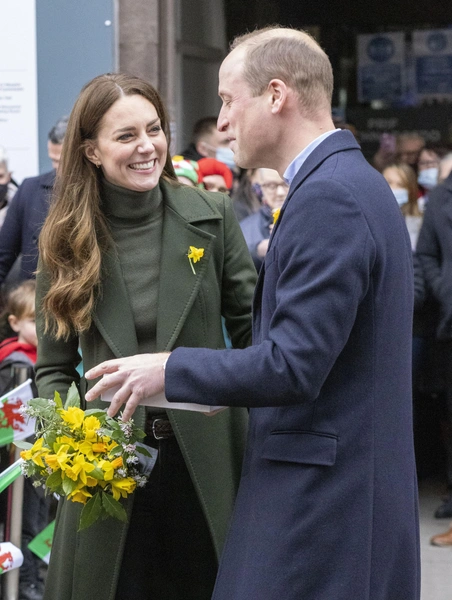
pixel 298 135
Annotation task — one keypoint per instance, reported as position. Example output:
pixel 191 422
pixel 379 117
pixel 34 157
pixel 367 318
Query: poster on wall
pixel 381 67
pixel 432 49
pixel 18 87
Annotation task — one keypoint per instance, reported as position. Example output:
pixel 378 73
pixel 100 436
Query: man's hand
pixel 138 377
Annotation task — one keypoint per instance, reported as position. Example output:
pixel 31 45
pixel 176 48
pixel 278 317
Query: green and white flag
pixel 14 425
pixel 10 557
pixel 42 543
pixel 10 474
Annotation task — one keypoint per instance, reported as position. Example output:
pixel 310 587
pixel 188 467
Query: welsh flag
pixel 11 557
pixel 42 543
pixel 15 426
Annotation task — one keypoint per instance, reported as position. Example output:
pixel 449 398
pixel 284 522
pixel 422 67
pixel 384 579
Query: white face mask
pixel 401 196
pixel 428 178
pixel 226 156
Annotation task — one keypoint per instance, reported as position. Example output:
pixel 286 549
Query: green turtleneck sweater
pixel 135 220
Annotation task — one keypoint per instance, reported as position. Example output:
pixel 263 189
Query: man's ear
pixel 91 153
pixel 201 148
pixel 13 323
pixel 278 93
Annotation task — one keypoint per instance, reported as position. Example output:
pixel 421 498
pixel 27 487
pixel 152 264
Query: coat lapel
pixel 178 284
pixel 337 142
pixel 113 315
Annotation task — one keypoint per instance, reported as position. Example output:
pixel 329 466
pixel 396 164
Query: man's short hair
pixel 58 131
pixel 294 57
pixel 203 128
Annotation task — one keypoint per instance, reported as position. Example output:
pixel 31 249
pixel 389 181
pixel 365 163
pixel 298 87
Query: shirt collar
pixel 298 161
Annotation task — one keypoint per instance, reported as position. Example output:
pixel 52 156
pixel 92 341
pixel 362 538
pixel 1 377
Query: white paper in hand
pixel 160 401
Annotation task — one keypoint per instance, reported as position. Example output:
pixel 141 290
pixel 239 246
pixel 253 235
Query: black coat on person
pixel 434 250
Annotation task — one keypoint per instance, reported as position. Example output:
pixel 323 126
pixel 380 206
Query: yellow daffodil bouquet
pixel 85 456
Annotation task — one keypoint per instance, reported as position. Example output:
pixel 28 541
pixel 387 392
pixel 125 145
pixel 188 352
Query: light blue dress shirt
pixel 295 165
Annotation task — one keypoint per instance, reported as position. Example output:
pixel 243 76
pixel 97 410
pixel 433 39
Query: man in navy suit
pixel 27 214
pixel 327 505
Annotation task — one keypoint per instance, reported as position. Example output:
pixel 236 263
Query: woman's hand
pixel 138 377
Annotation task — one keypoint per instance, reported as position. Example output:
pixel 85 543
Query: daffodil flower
pixel 80 495
pixel 36 453
pixel 194 255
pixel 109 467
pixel 122 487
pixel 73 416
pixel 276 215
pixel 80 467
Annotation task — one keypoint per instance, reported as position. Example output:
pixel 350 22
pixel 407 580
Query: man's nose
pixel 222 123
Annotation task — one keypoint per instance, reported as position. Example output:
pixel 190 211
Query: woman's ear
pixel 91 154
pixel 13 323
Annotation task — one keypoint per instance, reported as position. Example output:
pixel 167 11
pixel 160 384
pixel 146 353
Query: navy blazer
pixel 327 505
pixel 23 224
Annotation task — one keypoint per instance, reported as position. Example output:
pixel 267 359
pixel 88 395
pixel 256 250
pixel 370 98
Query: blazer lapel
pixel 178 284
pixel 337 142
pixel 113 315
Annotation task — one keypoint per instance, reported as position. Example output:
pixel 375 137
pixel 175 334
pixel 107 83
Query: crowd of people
pixel 105 294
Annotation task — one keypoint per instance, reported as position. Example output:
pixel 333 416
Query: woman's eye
pixel 124 137
pixel 156 129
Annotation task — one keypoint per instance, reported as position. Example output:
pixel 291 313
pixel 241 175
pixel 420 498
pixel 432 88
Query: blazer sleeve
pixel 56 367
pixel 11 234
pixel 317 272
pixel 238 282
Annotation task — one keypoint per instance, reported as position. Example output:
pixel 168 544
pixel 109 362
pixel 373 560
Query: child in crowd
pixel 19 350
pixel 16 352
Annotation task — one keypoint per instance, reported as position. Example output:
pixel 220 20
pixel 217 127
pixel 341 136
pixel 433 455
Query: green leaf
pixel 115 451
pixel 68 485
pixel 143 450
pixel 57 400
pixel 97 473
pixel 117 436
pixel 95 412
pixel 91 511
pixel 39 403
pixel 113 507
pixel 23 445
pixel 50 438
pixel 73 397
pixel 54 481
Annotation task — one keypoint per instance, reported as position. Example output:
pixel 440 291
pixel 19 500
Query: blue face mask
pixel 226 156
pixel 401 196
pixel 428 178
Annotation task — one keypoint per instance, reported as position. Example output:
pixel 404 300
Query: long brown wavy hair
pixel 75 234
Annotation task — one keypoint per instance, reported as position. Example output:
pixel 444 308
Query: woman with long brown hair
pixel 115 280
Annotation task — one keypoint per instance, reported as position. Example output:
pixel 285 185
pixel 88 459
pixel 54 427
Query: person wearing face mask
pixel 402 181
pixel 8 186
pixel 428 169
pixel 208 142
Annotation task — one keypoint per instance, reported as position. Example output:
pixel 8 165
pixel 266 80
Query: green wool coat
pixel 85 565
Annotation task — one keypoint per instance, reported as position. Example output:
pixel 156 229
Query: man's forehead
pixel 231 68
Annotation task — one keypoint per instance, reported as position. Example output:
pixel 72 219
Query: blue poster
pixel 433 63
pixel 381 67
